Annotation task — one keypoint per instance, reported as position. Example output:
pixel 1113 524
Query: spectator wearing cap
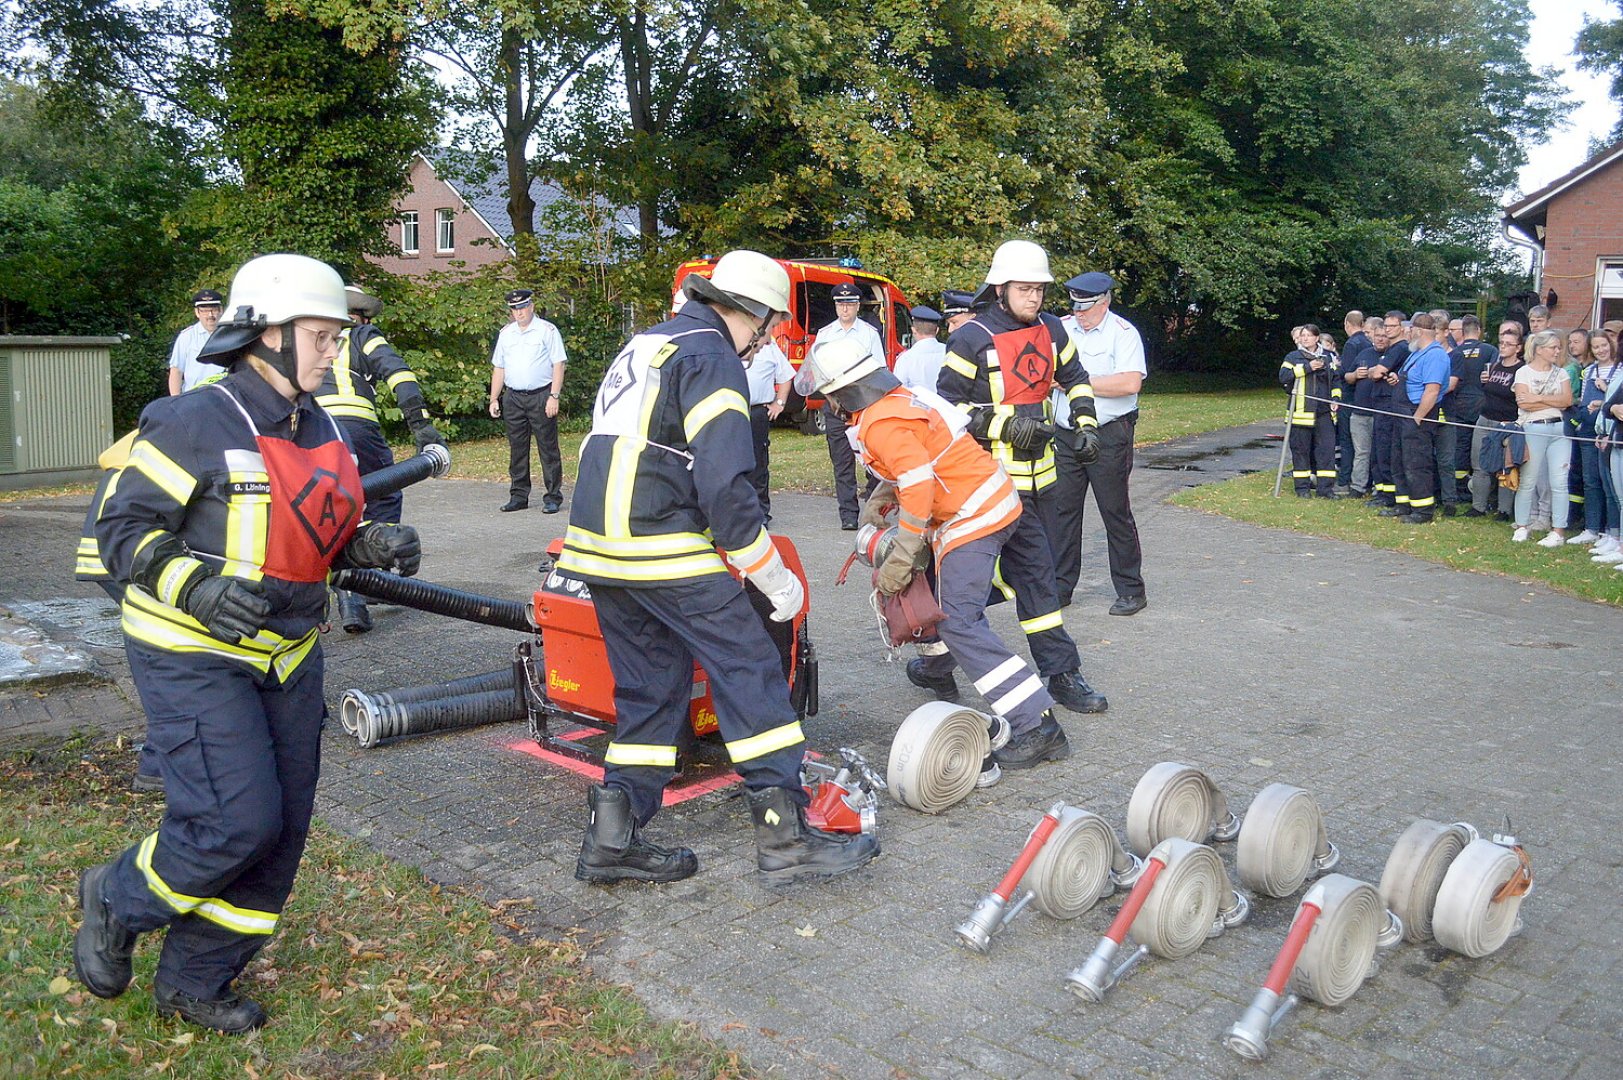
pixel 769 375
pixel 526 377
pixel 957 307
pixel 1112 353
pixel 184 370
pixel 920 365
pixel 847 306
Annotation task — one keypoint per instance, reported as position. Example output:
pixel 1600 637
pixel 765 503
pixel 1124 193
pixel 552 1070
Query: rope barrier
pixel 1410 417
pixel 936 756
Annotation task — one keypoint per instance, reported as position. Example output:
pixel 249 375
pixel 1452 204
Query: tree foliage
pixel 1600 50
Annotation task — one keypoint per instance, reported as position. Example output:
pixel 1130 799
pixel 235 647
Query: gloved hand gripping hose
pixel 1176 800
pixel 1283 842
pixel 1414 872
pixel 936 756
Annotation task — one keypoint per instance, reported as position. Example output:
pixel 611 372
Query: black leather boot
pixel 352 613
pixel 102 948
pixel 944 687
pixel 788 849
pixel 612 850
pixel 231 1014
pixel 1072 691
pixel 1045 742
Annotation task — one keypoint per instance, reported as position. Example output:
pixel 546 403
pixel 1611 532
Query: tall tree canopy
pixel 1600 49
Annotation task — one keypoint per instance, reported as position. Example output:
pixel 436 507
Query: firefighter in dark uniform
pixel 1305 374
pixel 349 393
pixel 663 484
pixel 235 502
pixel 1000 366
pixel 1386 449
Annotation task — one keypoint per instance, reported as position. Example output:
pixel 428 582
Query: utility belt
pixel 537 390
pixel 1131 416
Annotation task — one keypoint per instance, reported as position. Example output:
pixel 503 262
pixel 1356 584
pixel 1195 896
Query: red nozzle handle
pixel 1039 836
pixel 1135 899
pixel 1280 973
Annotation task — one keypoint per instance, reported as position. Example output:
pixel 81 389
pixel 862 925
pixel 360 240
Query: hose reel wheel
pixel 1175 800
pixel 1072 872
pixel 1414 872
pixel 936 756
pixel 1340 952
pixel 1178 915
pixel 1282 842
pixel 1467 918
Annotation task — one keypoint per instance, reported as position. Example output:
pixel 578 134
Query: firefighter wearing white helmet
pixel 236 501
pixel 663 484
pixel 1000 367
pixel 953 500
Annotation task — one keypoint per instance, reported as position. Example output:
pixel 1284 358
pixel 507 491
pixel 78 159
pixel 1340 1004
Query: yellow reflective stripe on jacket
pixel 247 527
pixel 619 753
pixel 345 401
pixel 754 554
pixel 1029 476
pixel 221 912
pixel 622 472
pixel 151 622
pixel 960 365
pixel 578 562
pixel 352 408
pixel 174 577
pixel 718 403
pixel 158 467
pixel 88 562
pixel 1080 390
pixel 766 742
pixel 1038 623
pixel 661 545
pixel 398 377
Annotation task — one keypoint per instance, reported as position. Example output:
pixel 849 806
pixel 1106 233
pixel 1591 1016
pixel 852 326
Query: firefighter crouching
pixel 663 483
pixel 349 393
pixel 953 498
pixel 235 501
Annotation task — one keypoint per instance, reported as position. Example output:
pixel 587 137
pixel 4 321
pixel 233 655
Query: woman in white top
pixel 1542 391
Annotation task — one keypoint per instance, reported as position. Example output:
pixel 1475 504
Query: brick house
pixel 1575 227
pixel 445 224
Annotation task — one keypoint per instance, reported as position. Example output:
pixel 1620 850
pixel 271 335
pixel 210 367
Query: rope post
pixel 1285 442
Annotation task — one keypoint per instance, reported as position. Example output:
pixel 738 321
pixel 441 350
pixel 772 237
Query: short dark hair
pixel 1423 321
pixel 1398 315
pixel 1469 323
pixel 1311 328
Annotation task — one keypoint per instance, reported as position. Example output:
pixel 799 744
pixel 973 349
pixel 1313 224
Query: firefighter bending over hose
pixel 951 495
pixel 663 483
pixel 236 501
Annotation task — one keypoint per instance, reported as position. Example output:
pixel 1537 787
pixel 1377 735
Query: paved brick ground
pixel 1389 687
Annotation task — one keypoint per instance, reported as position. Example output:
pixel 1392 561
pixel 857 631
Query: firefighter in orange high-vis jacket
pixel 953 499
pixel 235 502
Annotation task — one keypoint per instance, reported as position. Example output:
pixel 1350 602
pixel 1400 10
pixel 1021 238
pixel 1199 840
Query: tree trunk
pixel 515 137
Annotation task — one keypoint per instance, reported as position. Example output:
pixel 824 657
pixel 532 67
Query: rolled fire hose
pixel 1414 872
pixel 1283 842
pixel 936 756
pixel 434 460
pixel 1479 903
pixel 438 599
pixel 1081 864
pixel 354 702
pixel 1177 800
pixel 390 719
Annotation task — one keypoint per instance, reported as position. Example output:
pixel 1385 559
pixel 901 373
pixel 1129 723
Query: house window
pixel 408 232
pixel 1609 291
pixel 444 230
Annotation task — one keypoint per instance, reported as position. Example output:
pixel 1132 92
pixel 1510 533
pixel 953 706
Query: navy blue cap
pixel 520 298
pixel 1093 283
pixel 925 314
pixel 956 301
pixel 845 292
pixel 205 297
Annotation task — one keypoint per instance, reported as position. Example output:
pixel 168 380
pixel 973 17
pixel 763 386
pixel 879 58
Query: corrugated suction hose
pixel 936 756
pixel 1283 842
pixel 353 702
pixel 438 599
pixel 387 719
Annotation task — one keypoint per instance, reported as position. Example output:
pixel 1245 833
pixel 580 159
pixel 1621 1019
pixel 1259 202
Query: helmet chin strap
pixel 285 361
pixel 755 339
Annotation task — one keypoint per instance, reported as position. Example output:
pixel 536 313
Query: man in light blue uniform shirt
pixel 526 379
pixel 847 306
pixel 920 365
pixel 185 371
pixel 1112 353
pixel 769 375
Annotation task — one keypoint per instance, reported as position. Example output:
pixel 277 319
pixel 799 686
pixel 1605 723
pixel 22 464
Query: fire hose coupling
pixel 1173 799
pixel 992 913
pixel 1328 954
pixel 1283 842
pixel 1447 882
pixel 844 799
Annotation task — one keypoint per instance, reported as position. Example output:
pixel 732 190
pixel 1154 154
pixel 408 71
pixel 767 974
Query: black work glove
pixel 423 433
pixel 1027 432
pixel 231 608
pixel 386 547
pixel 1085 441
pixel 980 423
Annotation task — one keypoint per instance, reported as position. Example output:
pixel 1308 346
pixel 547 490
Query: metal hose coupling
pixel 993 912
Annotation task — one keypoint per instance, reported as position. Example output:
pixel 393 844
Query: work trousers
pixel 1485 482
pixel 525 414
pixel 1010 687
pixel 1313 456
pixel 1345 450
pixel 1597 499
pixel 652 637
pixel 760 474
pixel 239 755
pixel 1549 459
pixel 1025 574
pixel 1446 446
pixel 1383 470
pixel 1612 462
pixel 844 460
pixel 1464 456
pixel 371 454
pixel 1417 452
pixel 1362 426
pixel 1108 478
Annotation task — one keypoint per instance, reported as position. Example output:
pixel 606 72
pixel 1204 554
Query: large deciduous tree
pixel 1600 50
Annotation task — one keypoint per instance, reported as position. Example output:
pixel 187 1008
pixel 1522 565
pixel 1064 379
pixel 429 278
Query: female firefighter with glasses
pixel 952 496
pixel 236 501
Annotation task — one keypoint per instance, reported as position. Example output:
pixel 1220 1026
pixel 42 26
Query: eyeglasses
pixel 325 339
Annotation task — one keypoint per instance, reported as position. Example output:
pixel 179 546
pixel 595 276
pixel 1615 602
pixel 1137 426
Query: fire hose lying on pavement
pixel 1447 882
pixel 1071 860
pixel 936 755
pixel 1174 800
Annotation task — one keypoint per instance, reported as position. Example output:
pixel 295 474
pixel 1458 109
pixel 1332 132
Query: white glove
pixel 787 601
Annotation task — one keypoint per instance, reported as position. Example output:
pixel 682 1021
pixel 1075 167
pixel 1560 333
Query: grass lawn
pixel 375 972
pixel 1479 545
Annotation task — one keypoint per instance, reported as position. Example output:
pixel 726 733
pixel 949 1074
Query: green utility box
pixel 56 408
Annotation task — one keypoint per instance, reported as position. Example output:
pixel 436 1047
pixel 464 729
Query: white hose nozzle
pixel 1249 1035
pixel 1093 980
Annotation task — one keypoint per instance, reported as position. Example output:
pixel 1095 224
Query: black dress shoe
pixel 102 947
pixel 1045 742
pixel 1474 513
pixel 514 504
pixel 1073 692
pixel 848 526
pixel 231 1014
pixel 1503 515
pixel 944 687
pixel 1128 605
pixel 551 507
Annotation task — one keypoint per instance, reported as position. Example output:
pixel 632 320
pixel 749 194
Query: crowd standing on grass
pixel 1418 416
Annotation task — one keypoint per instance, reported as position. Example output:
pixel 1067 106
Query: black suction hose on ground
pixel 354 701
pixel 385 719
